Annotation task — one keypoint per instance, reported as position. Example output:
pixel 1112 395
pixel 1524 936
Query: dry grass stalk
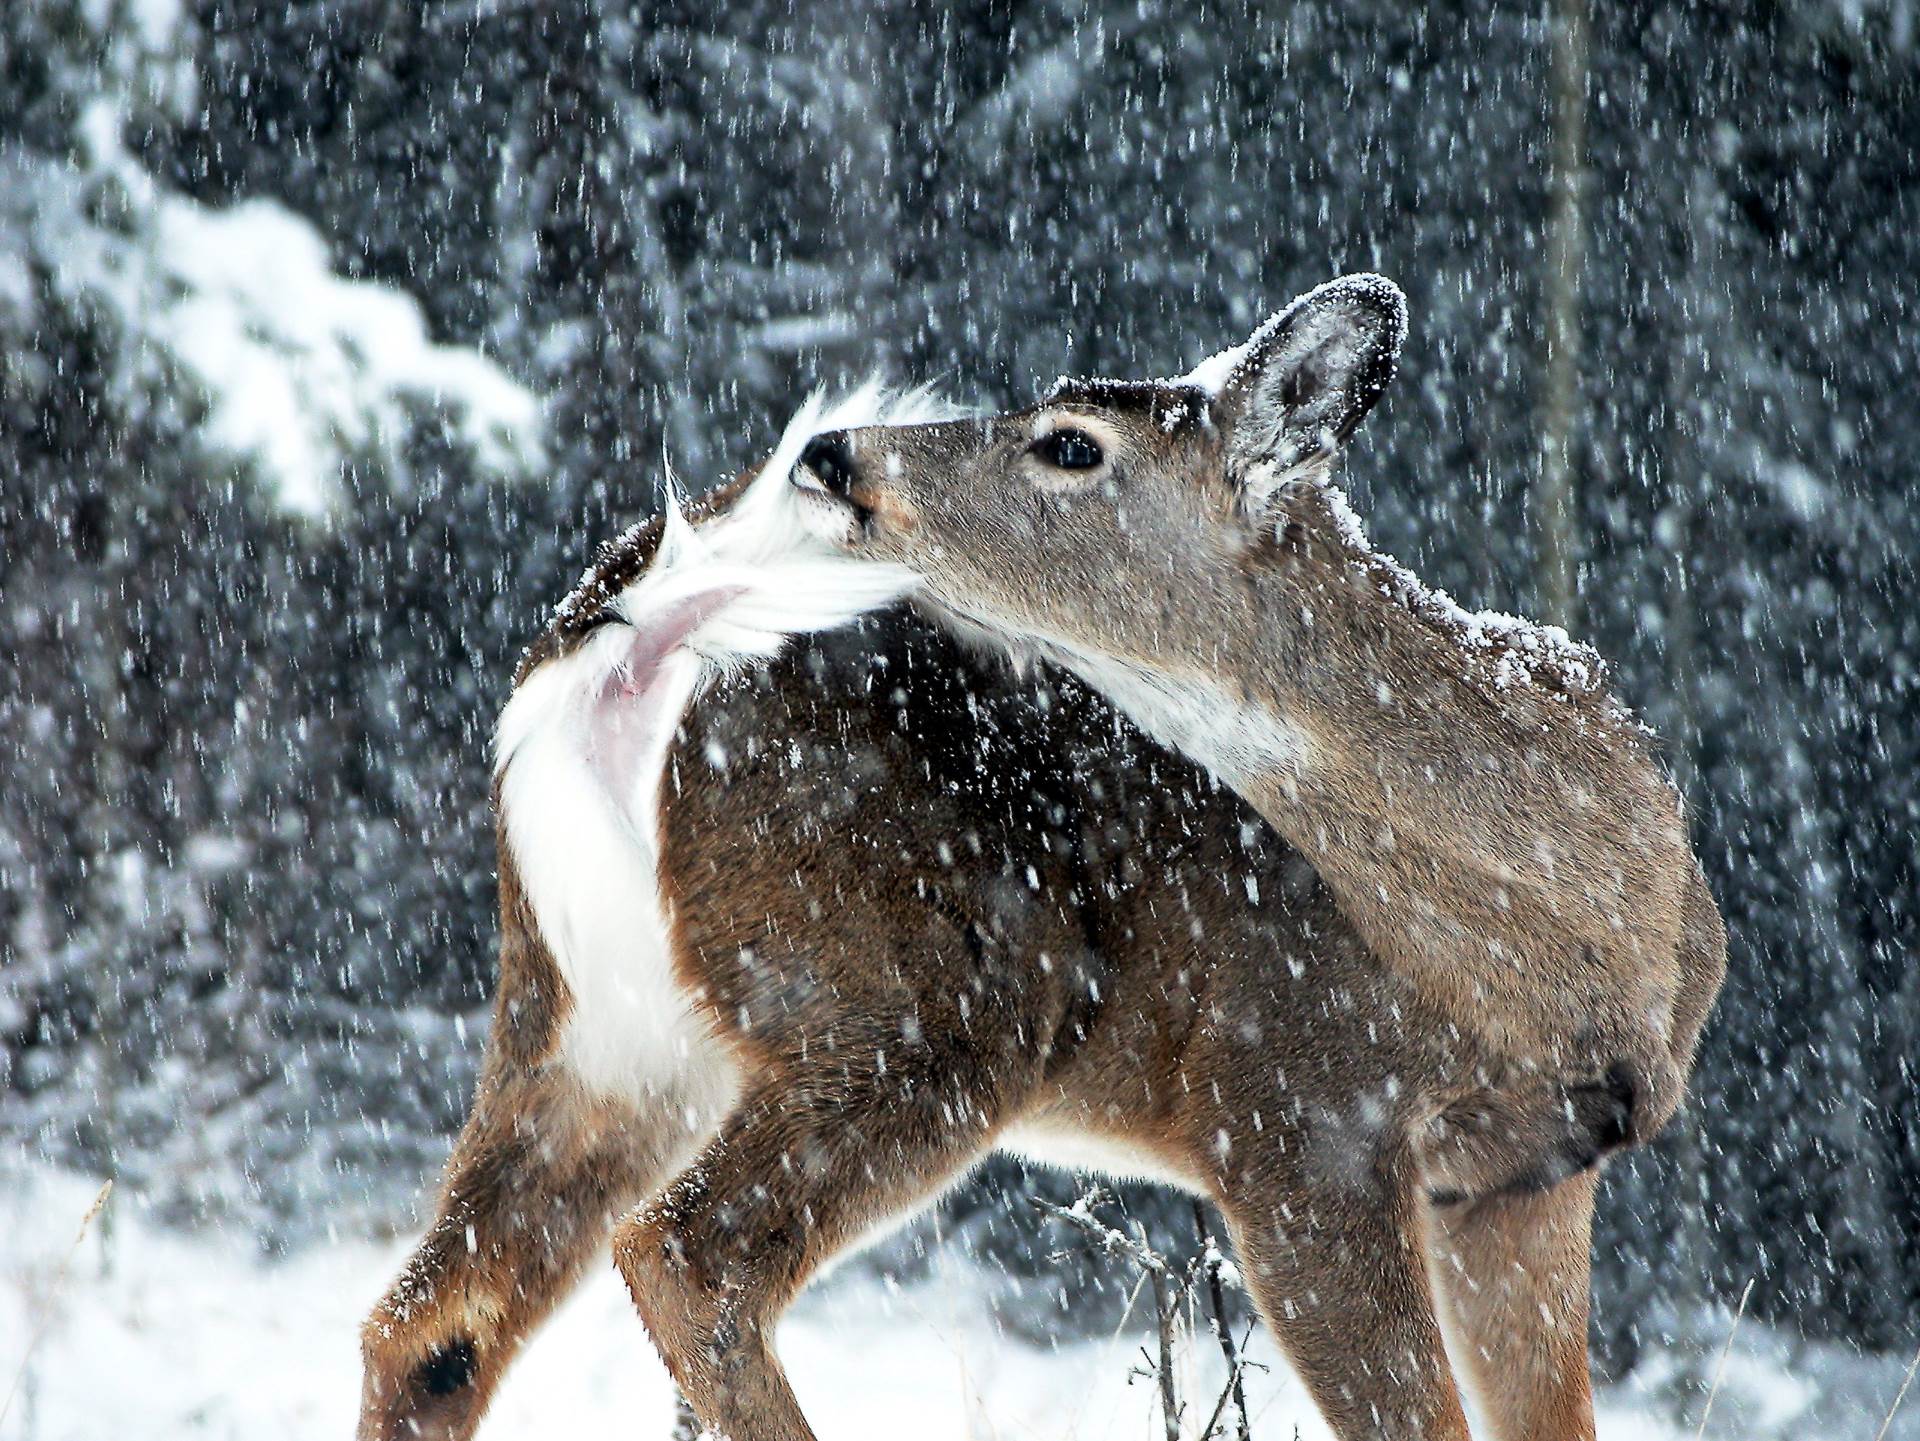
pixel 1899 1396
pixel 1720 1369
pixel 53 1295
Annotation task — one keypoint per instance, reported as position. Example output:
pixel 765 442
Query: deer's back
pixel 880 842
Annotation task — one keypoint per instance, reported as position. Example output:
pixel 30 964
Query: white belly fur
pixel 1069 1149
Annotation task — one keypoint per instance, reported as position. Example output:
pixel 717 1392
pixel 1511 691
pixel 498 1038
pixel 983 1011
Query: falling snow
pixel 334 343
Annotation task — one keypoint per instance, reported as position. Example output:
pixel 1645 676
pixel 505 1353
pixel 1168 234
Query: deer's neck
pixel 1465 786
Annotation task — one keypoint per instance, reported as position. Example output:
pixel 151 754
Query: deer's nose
pixel 830 457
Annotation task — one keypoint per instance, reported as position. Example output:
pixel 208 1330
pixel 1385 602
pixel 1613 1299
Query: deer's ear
pixel 1308 377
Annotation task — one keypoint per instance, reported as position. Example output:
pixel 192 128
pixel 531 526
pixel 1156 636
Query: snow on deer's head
pixel 1106 518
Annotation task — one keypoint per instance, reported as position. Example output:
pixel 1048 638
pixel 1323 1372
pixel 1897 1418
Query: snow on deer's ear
pixel 1288 398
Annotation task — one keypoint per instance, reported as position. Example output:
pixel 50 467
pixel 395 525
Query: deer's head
pixel 1111 516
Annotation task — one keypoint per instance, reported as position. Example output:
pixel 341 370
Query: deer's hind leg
pixel 1513 1271
pixel 536 1179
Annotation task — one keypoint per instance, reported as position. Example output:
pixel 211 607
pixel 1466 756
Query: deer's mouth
pixel 834 516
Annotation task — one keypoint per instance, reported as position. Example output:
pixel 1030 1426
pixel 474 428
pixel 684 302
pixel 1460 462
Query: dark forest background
pixel 1664 268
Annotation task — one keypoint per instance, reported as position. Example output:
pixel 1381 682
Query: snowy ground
pixel 192 1337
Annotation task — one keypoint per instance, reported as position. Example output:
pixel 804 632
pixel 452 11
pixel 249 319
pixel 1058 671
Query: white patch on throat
pixel 583 742
pixel 1234 738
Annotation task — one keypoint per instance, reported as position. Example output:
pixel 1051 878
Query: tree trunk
pixel 1556 509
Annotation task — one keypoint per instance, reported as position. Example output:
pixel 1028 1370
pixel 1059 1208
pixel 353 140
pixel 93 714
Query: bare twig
pixel 1219 1406
pixel 1166 1301
pixel 1899 1396
pixel 1234 1389
pixel 53 1294
pixel 1170 1286
pixel 1114 1243
pixel 1216 1298
pixel 1721 1369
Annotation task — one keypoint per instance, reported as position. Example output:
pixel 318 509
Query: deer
pixel 1490 820
pixel 809 901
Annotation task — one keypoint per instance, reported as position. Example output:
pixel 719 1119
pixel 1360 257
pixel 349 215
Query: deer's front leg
pixel 1333 1245
pixel 715 1259
pixel 537 1176
pixel 1514 1271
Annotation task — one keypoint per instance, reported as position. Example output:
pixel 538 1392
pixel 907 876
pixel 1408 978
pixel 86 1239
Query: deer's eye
pixel 1068 449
